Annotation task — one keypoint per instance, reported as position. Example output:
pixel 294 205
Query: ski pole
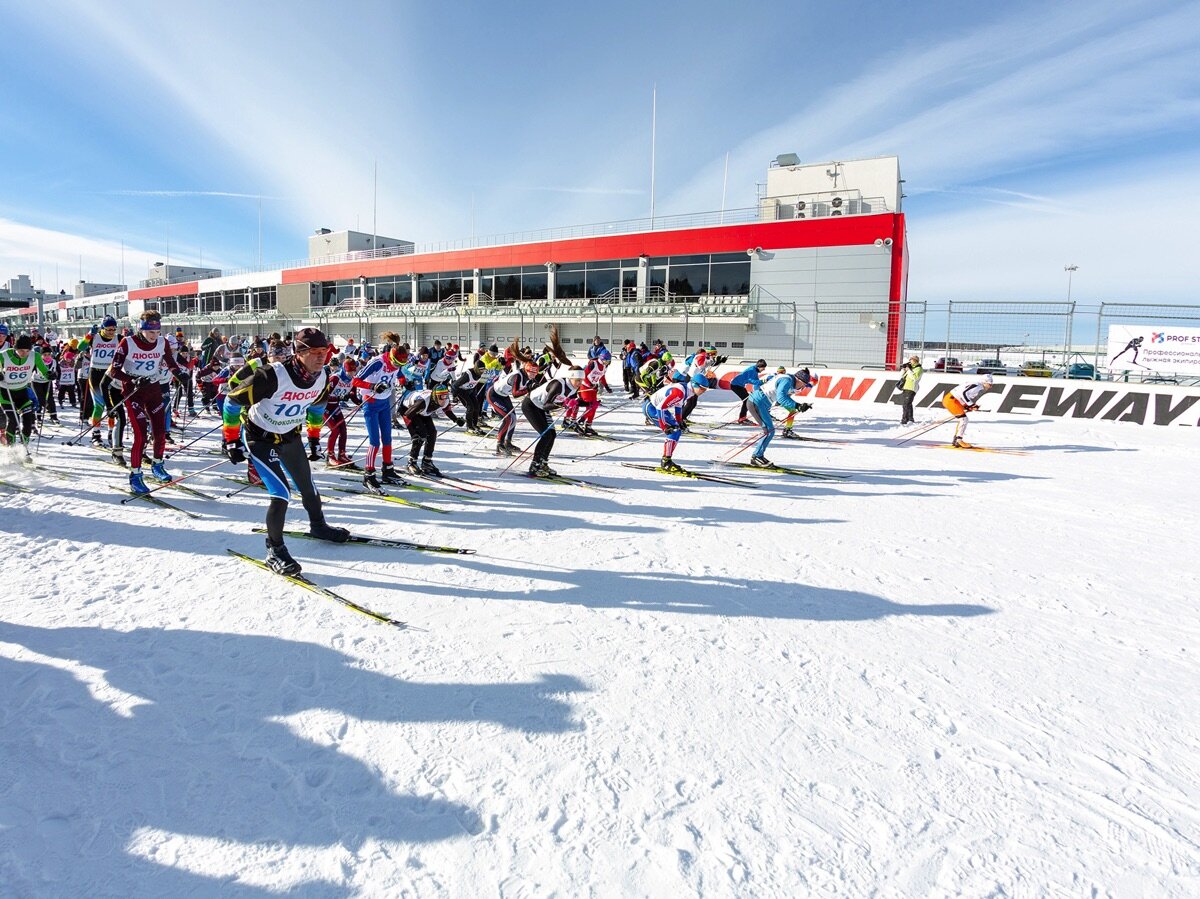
pixel 172 483
pixel 621 447
pixel 729 457
pixel 923 429
pixel 517 458
pixel 189 443
pixel 87 426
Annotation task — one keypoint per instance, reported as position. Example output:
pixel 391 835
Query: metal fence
pixel 1043 339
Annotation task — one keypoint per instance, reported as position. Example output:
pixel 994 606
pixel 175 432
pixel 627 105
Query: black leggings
pixel 742 393
pixel 185 389
pixel 18 414
pixel 539 420
pixel 469 397
pixel 276 463
pixel 503 406
pixel 424 435
pixel 45 395
pixel 100 384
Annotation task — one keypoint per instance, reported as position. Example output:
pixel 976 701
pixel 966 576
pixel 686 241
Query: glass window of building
pixel 731 279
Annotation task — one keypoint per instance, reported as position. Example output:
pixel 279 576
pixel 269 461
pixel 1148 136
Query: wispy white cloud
pixel 188 193
pixel 55 259
pixel 1126 249
pixel 1011 96
pixel 601 191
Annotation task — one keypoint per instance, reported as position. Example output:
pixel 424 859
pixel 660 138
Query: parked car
pixel 948 365
pixel 1083 370
pixel 1036 370
pixel 990 367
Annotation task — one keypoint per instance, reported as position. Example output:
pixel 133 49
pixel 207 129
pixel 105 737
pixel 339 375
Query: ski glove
pixel 236 454
pixel 382 387
pixel 804 407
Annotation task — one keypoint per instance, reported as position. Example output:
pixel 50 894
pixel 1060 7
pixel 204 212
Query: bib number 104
pixel 283 410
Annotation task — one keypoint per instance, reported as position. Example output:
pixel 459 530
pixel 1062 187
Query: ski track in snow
pixel 955 674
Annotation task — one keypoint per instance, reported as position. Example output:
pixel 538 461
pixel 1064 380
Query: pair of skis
pixel 359 540
pixel 686 473
pixel 799 472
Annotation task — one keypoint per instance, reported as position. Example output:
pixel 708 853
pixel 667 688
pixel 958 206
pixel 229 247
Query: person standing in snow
pixel 910 381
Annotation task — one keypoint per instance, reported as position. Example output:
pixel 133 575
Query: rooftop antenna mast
pixel 653 144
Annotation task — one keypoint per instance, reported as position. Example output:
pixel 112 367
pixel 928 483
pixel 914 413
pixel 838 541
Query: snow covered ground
pixel 954 673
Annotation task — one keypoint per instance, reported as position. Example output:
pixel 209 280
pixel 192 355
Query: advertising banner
pixel 1153 348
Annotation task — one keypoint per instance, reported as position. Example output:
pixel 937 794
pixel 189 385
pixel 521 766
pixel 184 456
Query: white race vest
pixel 103 351
pixel 139 362
pixel 17 374
pixel 503 386
pixel 539 398
pixel 287 408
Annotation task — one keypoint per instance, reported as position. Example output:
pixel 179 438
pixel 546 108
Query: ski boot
pixel 568 424
pixel 96 441
pixel 137 484
pixel 500 450
pixel 546 470
pixel 429 469
pixel 668 464
pixel 743 420
pixel 539 469
pixel 787 434
pixel 118 456
pixel 371 482
pixel 761 462
pixel 589 431
pixel 159 472
pixel 388 476
pixel 280 560
pixel 413 468
pixel 54 420
pixel 169 439
pixel 343 462
pixel 961 444
pixel 314 451
pixel 322 530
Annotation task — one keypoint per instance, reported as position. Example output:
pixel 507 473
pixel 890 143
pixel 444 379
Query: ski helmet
pixel 440 393
pixel 701 381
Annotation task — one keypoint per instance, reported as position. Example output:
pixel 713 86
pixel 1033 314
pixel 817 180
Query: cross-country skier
pixel 961 400
pixel 504 391
pixel 43 385
pixel 742 382
pixel 418 411
pixel 376 381
pixel 665 409
pixel 340 391
pixel 135 367
pixel 776 392
pixel 538 406
pixel 274 402
pixel 105 397
pixel 17 364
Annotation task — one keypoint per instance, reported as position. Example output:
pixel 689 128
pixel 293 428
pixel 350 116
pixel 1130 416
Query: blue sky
pixel 1030 135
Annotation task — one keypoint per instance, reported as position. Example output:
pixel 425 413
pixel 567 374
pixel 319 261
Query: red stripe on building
pixel 830 232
